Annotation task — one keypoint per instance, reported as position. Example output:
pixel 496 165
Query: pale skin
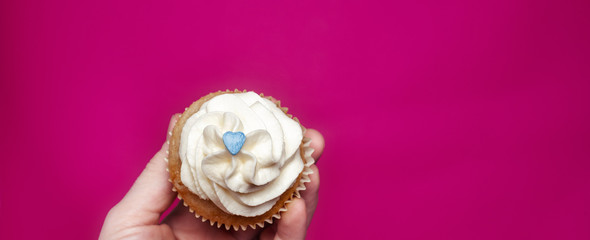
pixel 137 215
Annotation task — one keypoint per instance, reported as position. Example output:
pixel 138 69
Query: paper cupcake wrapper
pixel 307 151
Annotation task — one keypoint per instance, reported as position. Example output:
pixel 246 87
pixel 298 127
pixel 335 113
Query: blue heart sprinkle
pixel 234 141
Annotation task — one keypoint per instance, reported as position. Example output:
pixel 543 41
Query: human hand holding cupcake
pixel 238 161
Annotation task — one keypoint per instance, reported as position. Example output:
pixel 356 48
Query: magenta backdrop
pixel 454 120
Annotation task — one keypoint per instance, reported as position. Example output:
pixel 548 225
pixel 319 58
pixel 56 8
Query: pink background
pixel 454 120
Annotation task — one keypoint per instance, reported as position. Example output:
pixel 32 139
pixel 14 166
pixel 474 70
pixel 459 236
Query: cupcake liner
pixel 306 152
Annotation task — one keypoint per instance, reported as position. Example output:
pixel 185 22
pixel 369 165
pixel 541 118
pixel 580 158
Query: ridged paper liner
pixel 306 150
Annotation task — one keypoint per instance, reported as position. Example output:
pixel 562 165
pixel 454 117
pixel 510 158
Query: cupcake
pixel 237 158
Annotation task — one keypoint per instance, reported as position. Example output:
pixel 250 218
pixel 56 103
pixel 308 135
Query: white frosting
pixel 250 182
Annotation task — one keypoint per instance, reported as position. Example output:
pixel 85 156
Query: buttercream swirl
pixel 250 182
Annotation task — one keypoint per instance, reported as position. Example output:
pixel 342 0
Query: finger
pixel 269 232
pixel 292 224
pixel 184 223
pixel 310 194
pixel 186 226
pixel 317 143
pixel 151 193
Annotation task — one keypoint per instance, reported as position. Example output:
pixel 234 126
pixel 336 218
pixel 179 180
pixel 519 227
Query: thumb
pixel 151 194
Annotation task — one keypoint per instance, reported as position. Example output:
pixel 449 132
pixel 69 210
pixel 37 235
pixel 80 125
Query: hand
pixel 137 215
